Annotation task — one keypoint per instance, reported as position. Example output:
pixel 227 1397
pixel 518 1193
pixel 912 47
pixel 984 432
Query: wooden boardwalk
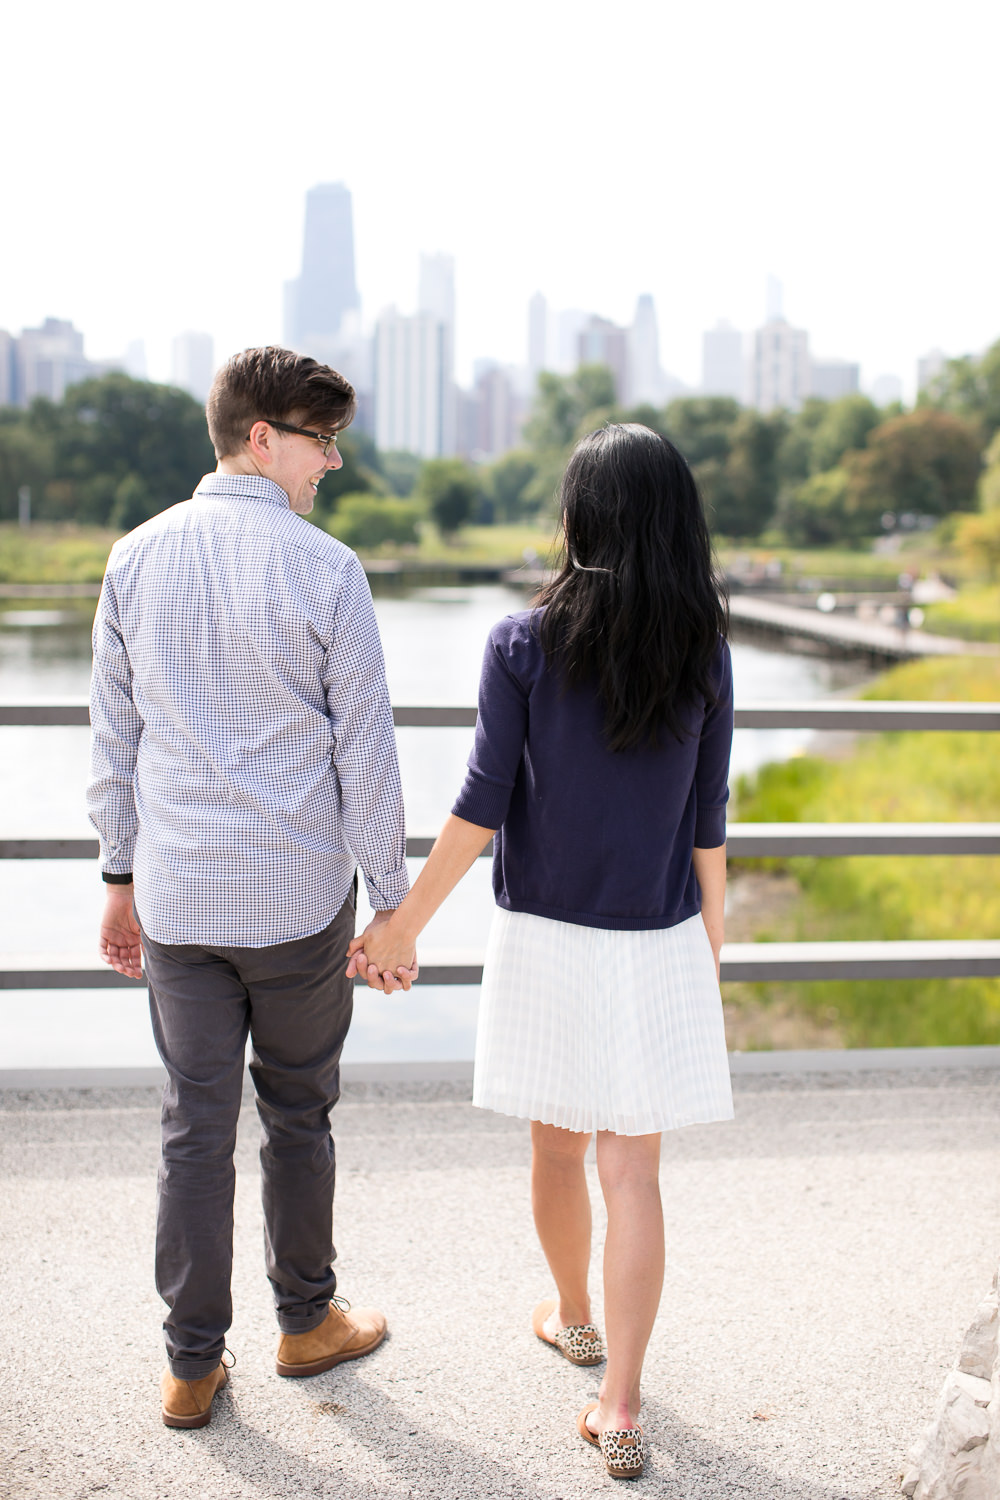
pixel 846 633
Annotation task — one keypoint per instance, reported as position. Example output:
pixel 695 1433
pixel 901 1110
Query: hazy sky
pixel 156 161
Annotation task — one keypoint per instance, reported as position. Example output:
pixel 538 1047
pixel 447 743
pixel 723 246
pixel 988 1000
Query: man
pixel 243 766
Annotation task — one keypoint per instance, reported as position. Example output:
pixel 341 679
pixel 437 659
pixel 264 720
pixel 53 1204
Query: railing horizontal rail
pixel 750 962
pixel 869 715
pixel 745 841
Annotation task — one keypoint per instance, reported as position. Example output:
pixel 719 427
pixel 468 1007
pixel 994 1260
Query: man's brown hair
pixel 258 384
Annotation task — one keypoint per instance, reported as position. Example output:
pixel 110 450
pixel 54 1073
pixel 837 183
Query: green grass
pixel 488 546
pixel 974 615
pixel 54 554
pixel 920 777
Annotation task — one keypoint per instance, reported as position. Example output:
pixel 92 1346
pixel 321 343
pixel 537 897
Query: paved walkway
pixel 826 1252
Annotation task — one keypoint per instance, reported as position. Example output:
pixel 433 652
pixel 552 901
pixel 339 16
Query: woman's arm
pixel 710 869
pixel 388 945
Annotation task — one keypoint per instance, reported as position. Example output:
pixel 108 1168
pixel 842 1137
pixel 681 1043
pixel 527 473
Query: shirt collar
pixel 243 487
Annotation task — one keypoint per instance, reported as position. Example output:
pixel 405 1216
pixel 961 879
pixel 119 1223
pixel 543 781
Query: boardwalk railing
pixel 740 961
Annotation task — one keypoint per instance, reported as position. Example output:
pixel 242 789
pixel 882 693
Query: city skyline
pixel 863 181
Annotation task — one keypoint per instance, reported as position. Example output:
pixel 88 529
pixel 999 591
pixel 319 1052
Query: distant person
pixel 601 756
pixel 243 766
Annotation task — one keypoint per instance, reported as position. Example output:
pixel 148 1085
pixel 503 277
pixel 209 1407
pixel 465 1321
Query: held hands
pixel 119 937
pixel 386 960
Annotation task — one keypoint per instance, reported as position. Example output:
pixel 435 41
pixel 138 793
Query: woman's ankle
pixel 573 1314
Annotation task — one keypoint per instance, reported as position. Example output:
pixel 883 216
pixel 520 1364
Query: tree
pixel 701 427
pixel 367 520
pixel 449 489
pixel 566 405
pixel 116 426
pixel 401 470
pixel 970 387
pixel 815 513
pixel 796 459
pixel 925 463
pixel 843 428
pixel 508 483
pixel 742 493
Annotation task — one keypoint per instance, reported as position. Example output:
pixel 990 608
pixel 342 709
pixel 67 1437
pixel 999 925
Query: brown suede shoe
pixel 188 1403
pixel 346 1334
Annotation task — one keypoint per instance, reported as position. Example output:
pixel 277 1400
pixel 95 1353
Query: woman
pixel 601 758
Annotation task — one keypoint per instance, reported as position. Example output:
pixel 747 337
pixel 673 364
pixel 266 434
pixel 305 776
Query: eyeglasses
pixel 326 440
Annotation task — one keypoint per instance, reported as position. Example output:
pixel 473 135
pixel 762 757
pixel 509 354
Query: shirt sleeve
pixel 365 743
pixel 501 730
pixel 712 773
pixel 116 728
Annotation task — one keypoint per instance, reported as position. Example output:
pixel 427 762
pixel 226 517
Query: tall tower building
pixel 601 342
pixel 722 372
pixel 48 360
pixel 645 378
pixel 436 300
pixel 326 289
pixel 412 395
pixel 829 379
pixel 538 337
pixel 779 366
pixel 193 363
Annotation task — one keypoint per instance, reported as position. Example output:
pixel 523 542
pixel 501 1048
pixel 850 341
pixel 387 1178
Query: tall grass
pixel 50 554
pixel 919 777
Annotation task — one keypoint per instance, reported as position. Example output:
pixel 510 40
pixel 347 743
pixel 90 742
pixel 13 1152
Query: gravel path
pixel 825 1254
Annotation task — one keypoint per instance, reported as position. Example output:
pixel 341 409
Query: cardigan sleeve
pixel 501 729
pixel 712 773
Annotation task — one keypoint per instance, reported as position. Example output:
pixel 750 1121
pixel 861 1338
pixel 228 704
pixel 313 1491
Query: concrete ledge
pixel 848 1060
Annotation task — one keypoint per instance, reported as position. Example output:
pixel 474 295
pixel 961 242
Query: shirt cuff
pixel 710 827
pixel 385 892
pixel 112 879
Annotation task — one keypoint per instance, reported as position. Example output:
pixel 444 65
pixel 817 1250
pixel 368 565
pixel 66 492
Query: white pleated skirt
pixel 591 1029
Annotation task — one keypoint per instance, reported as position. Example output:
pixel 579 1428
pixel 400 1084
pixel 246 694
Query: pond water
pixel 433 641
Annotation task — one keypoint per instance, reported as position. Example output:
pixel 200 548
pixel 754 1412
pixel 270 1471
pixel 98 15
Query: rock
pixel 979 1347
pixel 958 1457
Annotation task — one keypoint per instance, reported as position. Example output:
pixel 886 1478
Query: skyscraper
pixel 326 289
pixel 414 404
pixel 829 379
pixel 193 363
pixel 645 378
pixel 601 342
pixel 722 372
pixel 779 366
pixel 538 337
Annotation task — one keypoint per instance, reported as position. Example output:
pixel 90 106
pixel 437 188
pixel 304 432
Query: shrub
pixel 367 520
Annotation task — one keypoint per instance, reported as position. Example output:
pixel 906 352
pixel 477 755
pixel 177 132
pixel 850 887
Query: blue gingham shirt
pixel 243 759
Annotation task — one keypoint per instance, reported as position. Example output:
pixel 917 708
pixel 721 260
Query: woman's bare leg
pixel 628 1166
pixel 561 1205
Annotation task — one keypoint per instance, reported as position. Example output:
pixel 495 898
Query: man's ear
pixel 261 441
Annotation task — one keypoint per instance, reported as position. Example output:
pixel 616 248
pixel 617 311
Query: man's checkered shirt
pixel 243 757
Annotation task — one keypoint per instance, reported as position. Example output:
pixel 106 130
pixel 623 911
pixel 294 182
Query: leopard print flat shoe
pixel 581 1344
pixel 623 1451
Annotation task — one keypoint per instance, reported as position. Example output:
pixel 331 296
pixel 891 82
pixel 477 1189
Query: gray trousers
pixel 294 1002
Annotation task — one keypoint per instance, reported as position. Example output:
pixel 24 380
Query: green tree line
pixel 117 450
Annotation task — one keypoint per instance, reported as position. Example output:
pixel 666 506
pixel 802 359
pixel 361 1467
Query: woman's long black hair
pixel 637 607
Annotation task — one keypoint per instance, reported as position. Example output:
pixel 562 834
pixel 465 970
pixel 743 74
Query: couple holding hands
pixel 243 769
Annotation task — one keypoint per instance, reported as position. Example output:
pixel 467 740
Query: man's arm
pixel 114 741
pixel 364 752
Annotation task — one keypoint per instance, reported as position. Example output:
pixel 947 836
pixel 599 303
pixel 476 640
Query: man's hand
pixel 386 961
pixel 119 942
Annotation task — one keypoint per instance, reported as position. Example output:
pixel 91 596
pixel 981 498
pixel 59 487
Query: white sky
pixel 156 161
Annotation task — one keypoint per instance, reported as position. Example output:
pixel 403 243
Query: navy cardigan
pixel 588 835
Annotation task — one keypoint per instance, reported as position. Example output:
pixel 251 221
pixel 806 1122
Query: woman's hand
pixel 386 959
pixel 385 953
